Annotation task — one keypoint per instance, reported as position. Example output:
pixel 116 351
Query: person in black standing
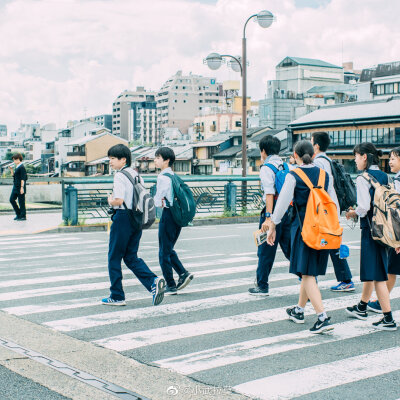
pixel 19 187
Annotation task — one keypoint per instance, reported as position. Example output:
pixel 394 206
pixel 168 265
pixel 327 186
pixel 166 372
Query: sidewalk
pixel 35 223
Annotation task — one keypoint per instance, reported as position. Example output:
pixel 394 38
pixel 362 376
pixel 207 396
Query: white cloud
pixel 58 57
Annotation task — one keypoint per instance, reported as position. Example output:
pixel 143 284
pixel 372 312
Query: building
pixel 25 132
pixel 205 126
pixel 181 99
pixel 3 130
pixel 294 77
pixel 6 144
pixel 103 120
pixel 88 155
pixel 134 116
pixel 376 121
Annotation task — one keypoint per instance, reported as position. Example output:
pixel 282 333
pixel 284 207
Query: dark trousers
pixel 168 234
pixel 341 267
pixel 16 194
pixel 124 244
pixel 266 253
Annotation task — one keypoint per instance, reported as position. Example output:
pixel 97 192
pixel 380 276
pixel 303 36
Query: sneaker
pixel 112 302
pixel 383 325
pixel 374 306
pixel 184 280
pixel 16 218
pixel 343 287
pixel 21 219
pixel 157 290
pixel 355 312
pixel 322 326
pixel 295 316
pixel 170 290
pixel 257 291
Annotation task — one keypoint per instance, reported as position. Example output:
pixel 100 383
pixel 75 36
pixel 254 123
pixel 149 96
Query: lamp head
pixel 234 64
pixel 265 18
pixel 214 61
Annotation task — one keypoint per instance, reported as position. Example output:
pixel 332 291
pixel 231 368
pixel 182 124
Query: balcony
pixel 76 154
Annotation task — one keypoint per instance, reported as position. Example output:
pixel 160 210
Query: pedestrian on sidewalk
pixel 19 188
pixel 168 229
pixel 321 142
pixel 124 238
pixel 307 263
pixel 374 256
pixel 271 169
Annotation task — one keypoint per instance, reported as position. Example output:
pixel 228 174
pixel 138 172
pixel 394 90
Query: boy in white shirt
pixel 168 229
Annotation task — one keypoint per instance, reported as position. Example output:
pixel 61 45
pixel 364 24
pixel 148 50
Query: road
pixel 213 331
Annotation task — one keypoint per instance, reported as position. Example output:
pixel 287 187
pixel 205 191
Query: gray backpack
pixel 143 213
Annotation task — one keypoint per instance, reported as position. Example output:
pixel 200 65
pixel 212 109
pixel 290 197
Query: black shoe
pixel 21 219
pixel 16 218
pixel 322 326
pixel 170 290
pixel 355 312
pixel 184 280
pixel 295 316
pixel 383 325
pixel 257 291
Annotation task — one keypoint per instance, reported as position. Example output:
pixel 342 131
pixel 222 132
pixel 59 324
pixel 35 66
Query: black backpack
pixel 183 208
pixel 344 185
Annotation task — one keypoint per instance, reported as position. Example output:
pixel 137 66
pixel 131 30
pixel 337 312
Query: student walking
pixel 19 188
pixel 374 258
pixel 321 142
pixel 394 258
pixel 124 238
pixel 168 229
pixel 269 173
pixel 306 262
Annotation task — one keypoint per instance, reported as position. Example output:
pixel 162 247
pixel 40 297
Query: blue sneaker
pixel 157 290
pixel 112 302
pixel 343 287
pixel 374 306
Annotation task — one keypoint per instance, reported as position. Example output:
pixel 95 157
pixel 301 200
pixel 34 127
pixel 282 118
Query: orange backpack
pixel 321 229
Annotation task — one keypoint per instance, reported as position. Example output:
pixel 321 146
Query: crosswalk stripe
pixel 55 255
pixel 258 348
pixel 324 376
pixel 130 341
pixel 40 243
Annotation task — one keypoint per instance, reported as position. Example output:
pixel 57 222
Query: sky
pixel 63 59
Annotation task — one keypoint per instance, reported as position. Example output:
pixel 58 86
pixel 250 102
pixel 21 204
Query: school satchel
pixel 321 229
pixel 344 185
pixel 183 208
pixel 280 174
pixel 385 225
pixel 143 213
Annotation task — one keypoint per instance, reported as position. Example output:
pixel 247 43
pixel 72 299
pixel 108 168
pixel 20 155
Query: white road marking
pixel 323 376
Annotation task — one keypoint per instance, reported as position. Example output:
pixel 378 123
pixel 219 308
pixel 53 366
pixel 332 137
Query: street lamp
pixel 239 64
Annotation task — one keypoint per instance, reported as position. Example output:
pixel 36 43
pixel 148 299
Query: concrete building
pixel 376 121
pixel 5 146
pixel 181 99
pixel 294 77
pixel 3 130
pixel 25 132
pixel 205 126
pixel 103 120
pixel 86 156
pixel 134 116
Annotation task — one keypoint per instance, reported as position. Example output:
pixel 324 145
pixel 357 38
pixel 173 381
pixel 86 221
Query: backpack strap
pixel 133 180
pixel 272 166
pixel 326 158
pixel 370 179
pixel 302 175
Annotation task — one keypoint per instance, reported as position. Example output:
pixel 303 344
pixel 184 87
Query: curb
pixel 196 222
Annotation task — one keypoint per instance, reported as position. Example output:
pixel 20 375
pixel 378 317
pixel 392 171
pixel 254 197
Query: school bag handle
pixel 302 175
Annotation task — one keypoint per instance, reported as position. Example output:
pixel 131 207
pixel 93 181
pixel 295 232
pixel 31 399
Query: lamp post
pixel 214 61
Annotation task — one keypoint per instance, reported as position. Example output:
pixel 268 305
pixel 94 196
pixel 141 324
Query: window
pixel 397 135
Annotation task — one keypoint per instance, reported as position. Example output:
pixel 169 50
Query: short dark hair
pixel 370 150
pixel 322 139
pixel 395 152
pixel 270 144
pixel 305 150
pixel 166 153
pixel 121 151
pixel 17 156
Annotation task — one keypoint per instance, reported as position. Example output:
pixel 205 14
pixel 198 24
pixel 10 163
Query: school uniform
pixel 340 266
pixel 19 176
pixel 168 230
pixel 394 258
pixel 303 259
pixel 266 253
pixel 374 257
pixel 124 240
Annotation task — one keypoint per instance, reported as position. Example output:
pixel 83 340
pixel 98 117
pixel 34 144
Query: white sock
pixel 322 316
pixel 299 309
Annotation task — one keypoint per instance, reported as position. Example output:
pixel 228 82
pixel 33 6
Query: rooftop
pixel 86 139
pixel 367 111
pixel 231 151
pixel 293 61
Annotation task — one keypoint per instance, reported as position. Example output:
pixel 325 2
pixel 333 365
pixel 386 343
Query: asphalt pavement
pixel 213 332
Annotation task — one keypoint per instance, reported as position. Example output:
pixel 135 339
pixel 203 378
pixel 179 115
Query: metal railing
pixel 214 195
